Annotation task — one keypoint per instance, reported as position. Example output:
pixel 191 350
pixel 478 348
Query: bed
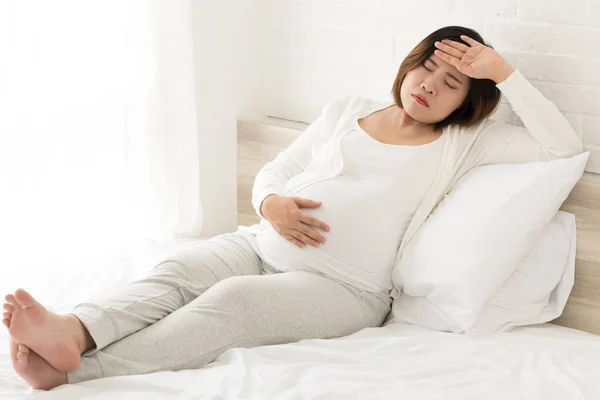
pixel 557 360
pixel 392 362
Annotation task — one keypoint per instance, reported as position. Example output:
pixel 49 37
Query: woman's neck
pixel 399 118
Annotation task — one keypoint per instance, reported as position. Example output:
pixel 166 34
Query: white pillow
pixel 481 232
pixel 539 289
pixel 535 293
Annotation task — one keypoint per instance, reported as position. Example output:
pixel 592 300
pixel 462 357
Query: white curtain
pixel 98 142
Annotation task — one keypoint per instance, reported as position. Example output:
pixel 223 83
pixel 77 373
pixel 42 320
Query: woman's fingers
pixel 449 49
pixel 294 240
pixel 457 45
pixel 308 231
pixel 447 57
pixel 310 220
pixel 304 237
pixel 467 39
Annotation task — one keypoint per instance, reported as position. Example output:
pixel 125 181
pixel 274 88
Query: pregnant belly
pixel 365 231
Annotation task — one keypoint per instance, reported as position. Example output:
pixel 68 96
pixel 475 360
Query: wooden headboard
pixel 260 141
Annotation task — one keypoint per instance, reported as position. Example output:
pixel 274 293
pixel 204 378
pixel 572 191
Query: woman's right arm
pixel 273 176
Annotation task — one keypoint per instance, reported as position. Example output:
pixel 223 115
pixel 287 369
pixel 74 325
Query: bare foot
pixel 50 335
pixel 34 369
pixel 9 309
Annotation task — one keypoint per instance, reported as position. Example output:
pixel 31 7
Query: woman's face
pixel 442 86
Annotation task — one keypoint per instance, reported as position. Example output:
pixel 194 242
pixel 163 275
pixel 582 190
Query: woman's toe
pixel 22 357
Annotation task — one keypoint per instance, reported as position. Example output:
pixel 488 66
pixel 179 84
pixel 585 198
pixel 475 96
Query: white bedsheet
pixel 397 361
pixel 393 362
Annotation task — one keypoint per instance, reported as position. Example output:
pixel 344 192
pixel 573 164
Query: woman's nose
pixel 428 87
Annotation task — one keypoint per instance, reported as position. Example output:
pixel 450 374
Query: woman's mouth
pixel 420 100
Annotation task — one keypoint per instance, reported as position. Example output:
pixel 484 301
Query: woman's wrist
pixel 502 72
pixel 263 205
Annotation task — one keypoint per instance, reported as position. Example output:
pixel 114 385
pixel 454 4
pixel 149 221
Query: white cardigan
pixel 317 151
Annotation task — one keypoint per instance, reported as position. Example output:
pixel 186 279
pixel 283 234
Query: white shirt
pixel 316 154
pixel 368 207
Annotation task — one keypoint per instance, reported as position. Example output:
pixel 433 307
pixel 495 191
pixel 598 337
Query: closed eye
pixel 452 87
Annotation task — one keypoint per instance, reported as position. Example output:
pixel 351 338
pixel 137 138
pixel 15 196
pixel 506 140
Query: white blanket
pixel 393 362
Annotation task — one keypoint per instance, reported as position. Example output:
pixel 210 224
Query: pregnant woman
pixel 337 207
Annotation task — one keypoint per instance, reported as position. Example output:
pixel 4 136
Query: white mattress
pixel 393 362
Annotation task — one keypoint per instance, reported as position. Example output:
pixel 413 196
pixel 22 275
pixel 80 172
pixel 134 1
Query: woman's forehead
pixel 448 68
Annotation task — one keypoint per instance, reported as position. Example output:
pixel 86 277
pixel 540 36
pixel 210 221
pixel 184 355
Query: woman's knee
pixel 228 251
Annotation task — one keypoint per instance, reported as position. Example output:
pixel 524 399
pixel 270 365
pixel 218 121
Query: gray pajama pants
pixel 213 296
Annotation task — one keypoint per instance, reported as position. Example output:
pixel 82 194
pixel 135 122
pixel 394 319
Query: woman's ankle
pixel 84 339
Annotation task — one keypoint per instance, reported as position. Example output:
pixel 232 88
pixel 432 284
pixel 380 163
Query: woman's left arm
pixel 547 134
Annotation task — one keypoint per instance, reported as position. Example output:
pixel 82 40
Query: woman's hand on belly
pixel 286 218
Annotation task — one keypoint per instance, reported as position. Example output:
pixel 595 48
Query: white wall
pixel 316 50
pixel 288 58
